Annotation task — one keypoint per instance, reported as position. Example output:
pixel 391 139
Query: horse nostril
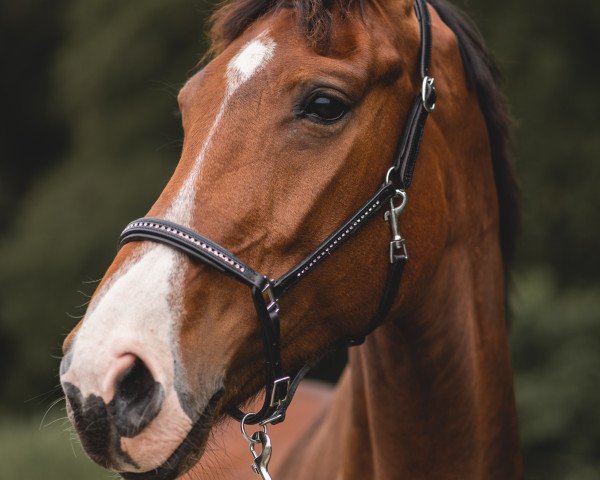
pixel 135 383
pixel 137 401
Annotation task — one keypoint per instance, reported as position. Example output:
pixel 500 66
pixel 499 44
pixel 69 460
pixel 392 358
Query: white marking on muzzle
pixel 135 315
pixel 132 315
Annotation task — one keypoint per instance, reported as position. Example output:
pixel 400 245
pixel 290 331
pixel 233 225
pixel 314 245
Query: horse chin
pixel 189 451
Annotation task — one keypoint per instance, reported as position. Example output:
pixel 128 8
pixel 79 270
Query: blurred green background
pixel 89 134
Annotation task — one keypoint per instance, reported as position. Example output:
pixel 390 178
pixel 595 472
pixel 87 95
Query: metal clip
pixel 260 465
pixel 397 244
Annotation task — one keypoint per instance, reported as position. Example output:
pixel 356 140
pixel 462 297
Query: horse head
pixel 288 131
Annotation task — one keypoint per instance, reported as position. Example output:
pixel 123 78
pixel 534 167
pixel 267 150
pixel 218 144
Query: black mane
pixel 315 20
pixel 484 77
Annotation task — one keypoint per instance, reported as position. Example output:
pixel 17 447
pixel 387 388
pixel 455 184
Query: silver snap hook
pixel 249 438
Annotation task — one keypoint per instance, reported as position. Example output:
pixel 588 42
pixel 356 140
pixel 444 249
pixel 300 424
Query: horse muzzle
pixel 129 400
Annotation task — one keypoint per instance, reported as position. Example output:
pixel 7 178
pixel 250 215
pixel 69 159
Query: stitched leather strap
pixel 277 385
pixel 335 240
pixel 425 28
pixel 201 248
pixel 405 159
pixel 424 103
pixel 193 244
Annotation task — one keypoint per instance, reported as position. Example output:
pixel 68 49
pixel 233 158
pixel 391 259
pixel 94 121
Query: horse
pixel 310 117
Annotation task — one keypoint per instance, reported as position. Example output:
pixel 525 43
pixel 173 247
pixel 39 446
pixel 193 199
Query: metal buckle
pixel 427 90
pixel 269 297
pixel 274 400
pixel 397 243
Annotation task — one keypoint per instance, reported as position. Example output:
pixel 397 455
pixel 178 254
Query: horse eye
pixel 325 109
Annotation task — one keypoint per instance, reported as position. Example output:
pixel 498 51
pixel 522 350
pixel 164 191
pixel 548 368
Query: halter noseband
pixel 267 292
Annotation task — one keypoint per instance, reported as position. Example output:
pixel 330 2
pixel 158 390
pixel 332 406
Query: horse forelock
pixel 315 18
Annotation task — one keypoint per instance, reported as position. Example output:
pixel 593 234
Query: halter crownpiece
pixel 280 388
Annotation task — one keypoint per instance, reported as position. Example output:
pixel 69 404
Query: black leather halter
pixel 267 292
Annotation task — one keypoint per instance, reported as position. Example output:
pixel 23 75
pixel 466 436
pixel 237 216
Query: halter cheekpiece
pixel 280 388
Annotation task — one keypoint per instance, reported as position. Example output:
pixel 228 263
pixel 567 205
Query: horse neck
pixel 430 394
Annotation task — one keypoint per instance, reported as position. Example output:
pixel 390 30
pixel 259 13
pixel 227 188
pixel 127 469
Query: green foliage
pixel 554 338
pixel 33 452
pixel 32 130
pixel 116 76
pixel 545 50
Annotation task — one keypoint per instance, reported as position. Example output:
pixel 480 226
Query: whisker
pixel 84 304
pixel 89 282
pixel 52 405
pixel 166 87
pixel 45 394
pixel 178 142
pixel 59 419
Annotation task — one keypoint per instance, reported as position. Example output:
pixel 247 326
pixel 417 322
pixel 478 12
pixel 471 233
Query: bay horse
pixel 289 133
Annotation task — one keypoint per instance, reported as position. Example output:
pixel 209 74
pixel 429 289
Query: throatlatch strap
pixel 405 160
pixel 392 285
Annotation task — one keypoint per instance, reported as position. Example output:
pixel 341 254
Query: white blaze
pixel 136 311
pixel 250 59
